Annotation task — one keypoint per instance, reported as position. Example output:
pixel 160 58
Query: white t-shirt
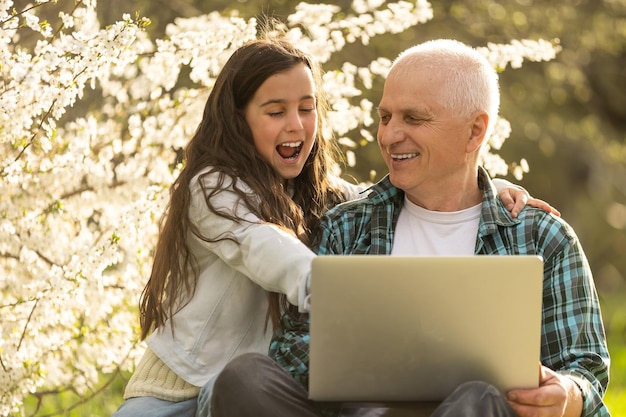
pixel 424 232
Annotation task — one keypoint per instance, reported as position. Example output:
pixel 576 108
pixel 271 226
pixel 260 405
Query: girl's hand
pixel 515 199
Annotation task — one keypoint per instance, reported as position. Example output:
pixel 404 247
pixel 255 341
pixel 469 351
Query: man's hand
pixel 557 396
pixel 515 198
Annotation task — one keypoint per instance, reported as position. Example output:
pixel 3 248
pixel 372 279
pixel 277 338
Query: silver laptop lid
pixel 389 328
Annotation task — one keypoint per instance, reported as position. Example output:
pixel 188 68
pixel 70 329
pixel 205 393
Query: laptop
pixel 390 329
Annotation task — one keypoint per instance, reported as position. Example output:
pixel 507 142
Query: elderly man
pixel 439 104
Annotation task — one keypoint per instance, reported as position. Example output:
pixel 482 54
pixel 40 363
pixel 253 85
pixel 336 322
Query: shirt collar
pixel 493 212
pixel 383 191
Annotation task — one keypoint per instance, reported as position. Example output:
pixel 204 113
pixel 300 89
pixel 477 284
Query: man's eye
pixel 384 118
pixel 416 120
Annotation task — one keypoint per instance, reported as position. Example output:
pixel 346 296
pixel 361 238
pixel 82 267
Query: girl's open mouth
pixel 289 150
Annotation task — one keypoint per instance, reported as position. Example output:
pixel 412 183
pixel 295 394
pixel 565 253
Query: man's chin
pixel 398 180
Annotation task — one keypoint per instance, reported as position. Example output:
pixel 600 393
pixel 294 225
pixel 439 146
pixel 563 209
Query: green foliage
pixel 103 401
pixel 614 312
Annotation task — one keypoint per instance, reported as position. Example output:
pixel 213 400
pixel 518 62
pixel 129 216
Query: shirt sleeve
pixel 573 338
pixel 290 346
pixel 265 253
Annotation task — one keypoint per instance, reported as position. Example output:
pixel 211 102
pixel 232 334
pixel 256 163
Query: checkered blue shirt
pixel 572 335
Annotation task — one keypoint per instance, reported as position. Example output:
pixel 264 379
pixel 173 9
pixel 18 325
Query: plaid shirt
pixel 572 333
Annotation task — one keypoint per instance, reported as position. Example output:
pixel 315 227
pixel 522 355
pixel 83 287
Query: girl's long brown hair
pixel 223 141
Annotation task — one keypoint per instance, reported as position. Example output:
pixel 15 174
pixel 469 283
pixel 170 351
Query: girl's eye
pixel 308 110
pixel 275 113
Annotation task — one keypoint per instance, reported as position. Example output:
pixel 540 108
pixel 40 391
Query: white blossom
pixel 520 169
pixel 500 55
pixel 501 131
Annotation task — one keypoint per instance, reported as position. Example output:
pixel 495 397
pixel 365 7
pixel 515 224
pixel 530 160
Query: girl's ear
pixel 478 129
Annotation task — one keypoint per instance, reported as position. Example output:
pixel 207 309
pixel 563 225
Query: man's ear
pixel 478 129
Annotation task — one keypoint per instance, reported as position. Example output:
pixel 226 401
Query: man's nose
pixel 390 133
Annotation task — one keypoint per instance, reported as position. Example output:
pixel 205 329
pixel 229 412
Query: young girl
pixel 232 250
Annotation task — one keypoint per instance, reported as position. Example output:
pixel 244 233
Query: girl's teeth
pixel 291 144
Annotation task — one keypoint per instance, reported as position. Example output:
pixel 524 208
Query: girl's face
pixel 282 116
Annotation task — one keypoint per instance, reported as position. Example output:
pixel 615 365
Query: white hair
pixel 471 82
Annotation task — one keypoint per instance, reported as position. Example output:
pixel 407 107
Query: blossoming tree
pixel 82 187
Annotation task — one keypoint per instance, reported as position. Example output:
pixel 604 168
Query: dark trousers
pixel 254 385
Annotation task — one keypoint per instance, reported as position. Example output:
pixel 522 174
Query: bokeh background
pixel 568 119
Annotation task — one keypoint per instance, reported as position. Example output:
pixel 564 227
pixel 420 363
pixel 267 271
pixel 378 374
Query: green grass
pixel 614 312
pixel 615 398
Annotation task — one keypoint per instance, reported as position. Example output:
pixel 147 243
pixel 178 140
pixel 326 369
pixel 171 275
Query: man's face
pixel 423 144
